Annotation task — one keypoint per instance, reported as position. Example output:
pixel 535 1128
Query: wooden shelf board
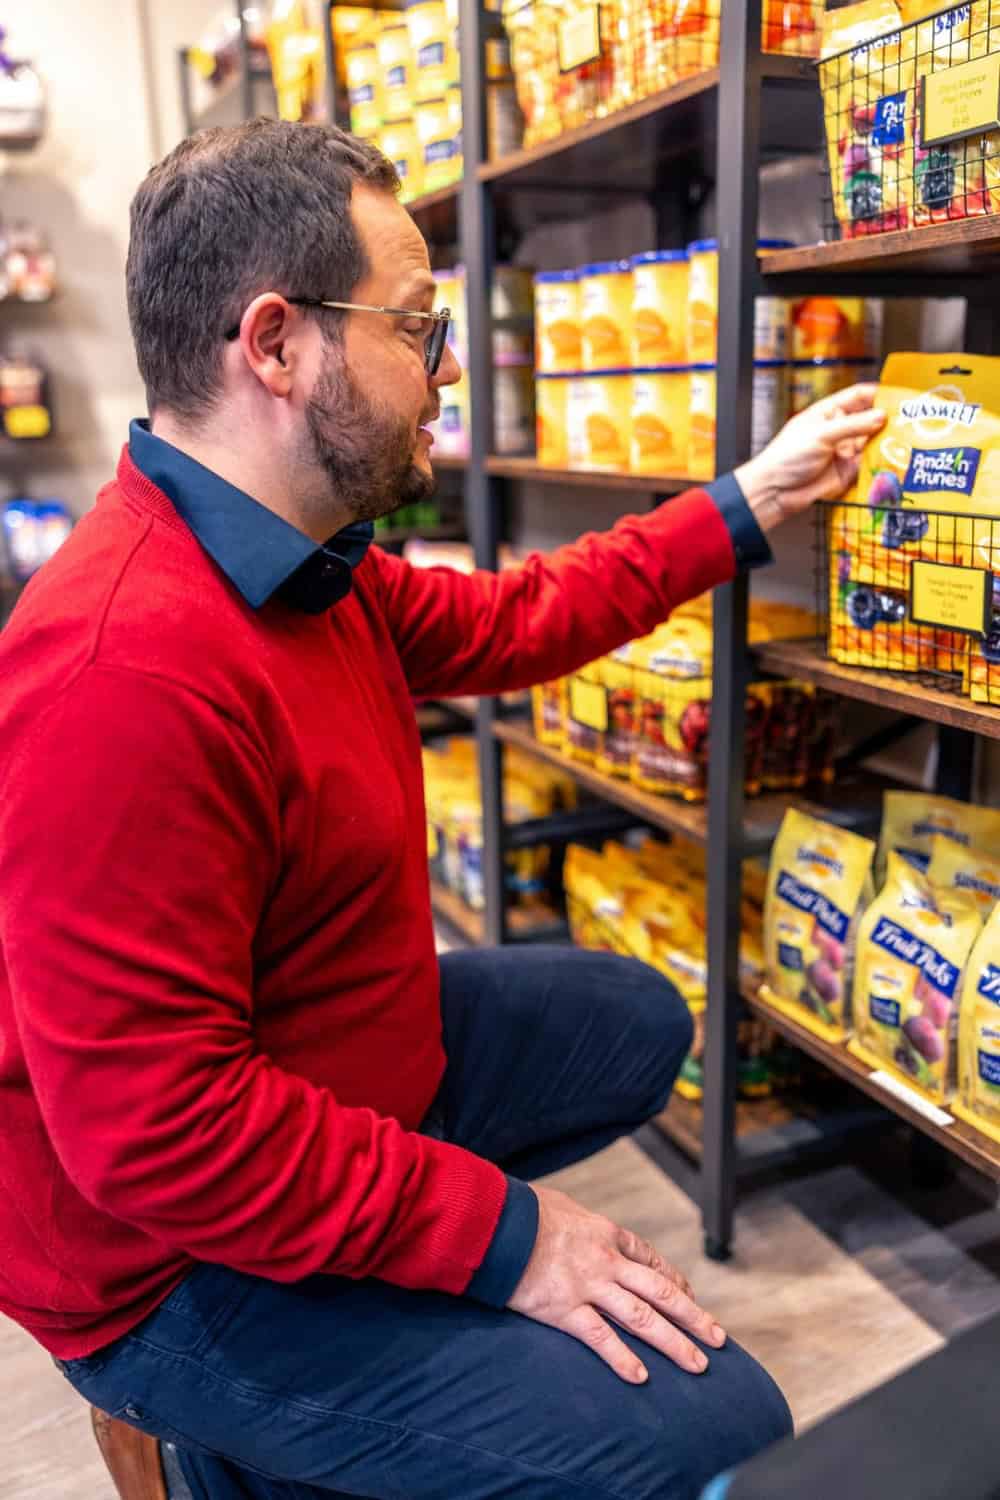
pixel 888 689
pixel 859 793
pixel 529 469
pixel 427 201
pixel 522 921
pixel 764 1127
pixel 448 461
pixel 447 533
pixel 955 248
pixel 961 1139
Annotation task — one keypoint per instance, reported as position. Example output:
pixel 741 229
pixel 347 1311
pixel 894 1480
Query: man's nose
pixel 449 371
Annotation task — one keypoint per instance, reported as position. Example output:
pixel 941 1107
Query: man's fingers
pixel 854 398
pixel 634 1247
pixel 848 426
pixel 667 1298
pixel 642 1319
pixel 587 1325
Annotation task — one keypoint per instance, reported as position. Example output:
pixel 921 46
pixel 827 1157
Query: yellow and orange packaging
pixel 928 490
pixel 599 421
pixel 661 420
pixel 659 308
pixel 606 315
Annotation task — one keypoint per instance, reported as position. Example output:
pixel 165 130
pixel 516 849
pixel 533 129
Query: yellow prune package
pixel 928 489
pixel 913 945
pixel 594 900
pixel 867 81
pixel 820 877
pixel 978 1101
pixel 974 871
pixel 911 820
pixel 613 751
pixel 549 712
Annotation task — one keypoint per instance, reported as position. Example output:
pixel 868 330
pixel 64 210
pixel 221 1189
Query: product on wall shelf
pixel 25 411
pixel 27 265
pixel 914 549
pixel 22 100
pixel 216 55
pixel 877 75
pixel 33 530
pixel 575 61
pixel 298 62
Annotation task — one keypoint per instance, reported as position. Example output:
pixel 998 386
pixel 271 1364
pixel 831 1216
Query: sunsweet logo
pixel 935 412
pixel 984 882
pixel 822 860
pixel 913 950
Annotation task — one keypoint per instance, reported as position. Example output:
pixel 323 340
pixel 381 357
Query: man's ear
pixel 268 342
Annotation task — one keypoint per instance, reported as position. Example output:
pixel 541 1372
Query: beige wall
pixel 111 74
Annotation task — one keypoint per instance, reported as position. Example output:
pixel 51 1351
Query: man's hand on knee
pixel 586 1269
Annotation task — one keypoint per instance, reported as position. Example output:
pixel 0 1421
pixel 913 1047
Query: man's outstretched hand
pixel 813 457
pixel 585 1270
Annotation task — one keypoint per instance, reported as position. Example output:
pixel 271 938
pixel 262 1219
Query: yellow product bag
pixel 671 733
pixel 957 868
pixel 928 489
pixel 913 944
pixel 912 820
pixel 867 80
pixel 983 662
pixel 549 711
pixel 594 901
pixel 587 713
pixel 819 880
pixel 950 180
pixel 613 753
pixel 978 1101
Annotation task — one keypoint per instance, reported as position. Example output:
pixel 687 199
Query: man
pixel 262 1162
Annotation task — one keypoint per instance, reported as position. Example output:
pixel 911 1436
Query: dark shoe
pixel 133 1459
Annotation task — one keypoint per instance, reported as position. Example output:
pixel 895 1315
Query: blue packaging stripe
pixel 804 898
pixel 659 257
pixel 910 949
pixel 606 268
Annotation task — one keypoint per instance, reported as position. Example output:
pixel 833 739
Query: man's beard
pixel 365 451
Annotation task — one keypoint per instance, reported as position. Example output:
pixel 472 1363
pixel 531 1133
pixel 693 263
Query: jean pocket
pixel 187 1318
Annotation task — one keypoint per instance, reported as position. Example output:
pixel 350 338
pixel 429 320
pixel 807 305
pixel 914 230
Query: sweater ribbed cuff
pixel 510 1248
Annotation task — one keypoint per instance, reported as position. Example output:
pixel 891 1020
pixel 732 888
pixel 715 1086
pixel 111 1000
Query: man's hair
pixel 229 214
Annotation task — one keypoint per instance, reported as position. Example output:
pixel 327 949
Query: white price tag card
pixel 901 1090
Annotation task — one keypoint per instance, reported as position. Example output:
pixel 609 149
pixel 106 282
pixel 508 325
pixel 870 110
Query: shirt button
pixel 133 1413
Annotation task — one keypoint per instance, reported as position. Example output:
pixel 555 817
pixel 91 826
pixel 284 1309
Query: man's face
pixel 367 411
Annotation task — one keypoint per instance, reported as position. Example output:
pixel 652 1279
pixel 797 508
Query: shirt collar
pixel 260 553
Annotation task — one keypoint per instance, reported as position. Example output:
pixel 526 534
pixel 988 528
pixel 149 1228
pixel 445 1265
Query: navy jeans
pixel 275 1392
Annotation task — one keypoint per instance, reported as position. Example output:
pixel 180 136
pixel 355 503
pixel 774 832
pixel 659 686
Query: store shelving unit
pixel 709 134
pixel 715 130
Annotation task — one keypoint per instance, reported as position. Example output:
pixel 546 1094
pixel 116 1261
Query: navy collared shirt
pixel 262 555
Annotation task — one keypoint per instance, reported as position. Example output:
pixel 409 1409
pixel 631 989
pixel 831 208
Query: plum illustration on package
pixel 819 879
pixel 978 1099
pixel 913 946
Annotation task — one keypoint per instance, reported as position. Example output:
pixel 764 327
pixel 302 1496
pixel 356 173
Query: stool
pixel 134 1460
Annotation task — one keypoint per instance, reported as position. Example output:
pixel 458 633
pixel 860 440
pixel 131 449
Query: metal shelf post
pixel 738 154
pixel 476 236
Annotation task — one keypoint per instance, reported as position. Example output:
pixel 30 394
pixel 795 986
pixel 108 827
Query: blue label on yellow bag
pixel 890 120
pixel 989 1068
pixel 431 56
pixel 933 470
pixel 829 916
pixel 913 950
pixel 989 983
pixel 885 1012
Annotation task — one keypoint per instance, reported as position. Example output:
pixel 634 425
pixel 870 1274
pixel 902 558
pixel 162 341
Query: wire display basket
pixel 908 119
pixel 911 590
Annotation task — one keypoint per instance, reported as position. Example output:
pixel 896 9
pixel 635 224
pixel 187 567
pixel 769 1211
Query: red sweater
pixel 219 1010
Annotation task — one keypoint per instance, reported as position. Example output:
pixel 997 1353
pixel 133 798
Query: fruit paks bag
pixel 959 868
pixel 978 1101
pixel 928 489
pixel 912 821
pixel 913 945
pixel 819 880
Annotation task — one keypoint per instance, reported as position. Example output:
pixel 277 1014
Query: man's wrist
pixel 762 492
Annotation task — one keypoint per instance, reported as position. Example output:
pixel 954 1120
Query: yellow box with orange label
pixel 558 347
pixel 606 315
pixel 659 308
pixel 552 420
pixel 661 418
pixel 703 298
pixel 599 420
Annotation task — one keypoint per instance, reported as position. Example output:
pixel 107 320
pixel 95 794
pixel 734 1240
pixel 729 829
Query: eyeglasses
pixel 436 339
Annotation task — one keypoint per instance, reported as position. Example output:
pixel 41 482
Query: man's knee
pixel 752 1412
pixel 661 1031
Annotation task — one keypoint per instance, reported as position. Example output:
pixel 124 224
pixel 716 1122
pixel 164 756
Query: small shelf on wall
pixel 524 923
pixel 893 690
